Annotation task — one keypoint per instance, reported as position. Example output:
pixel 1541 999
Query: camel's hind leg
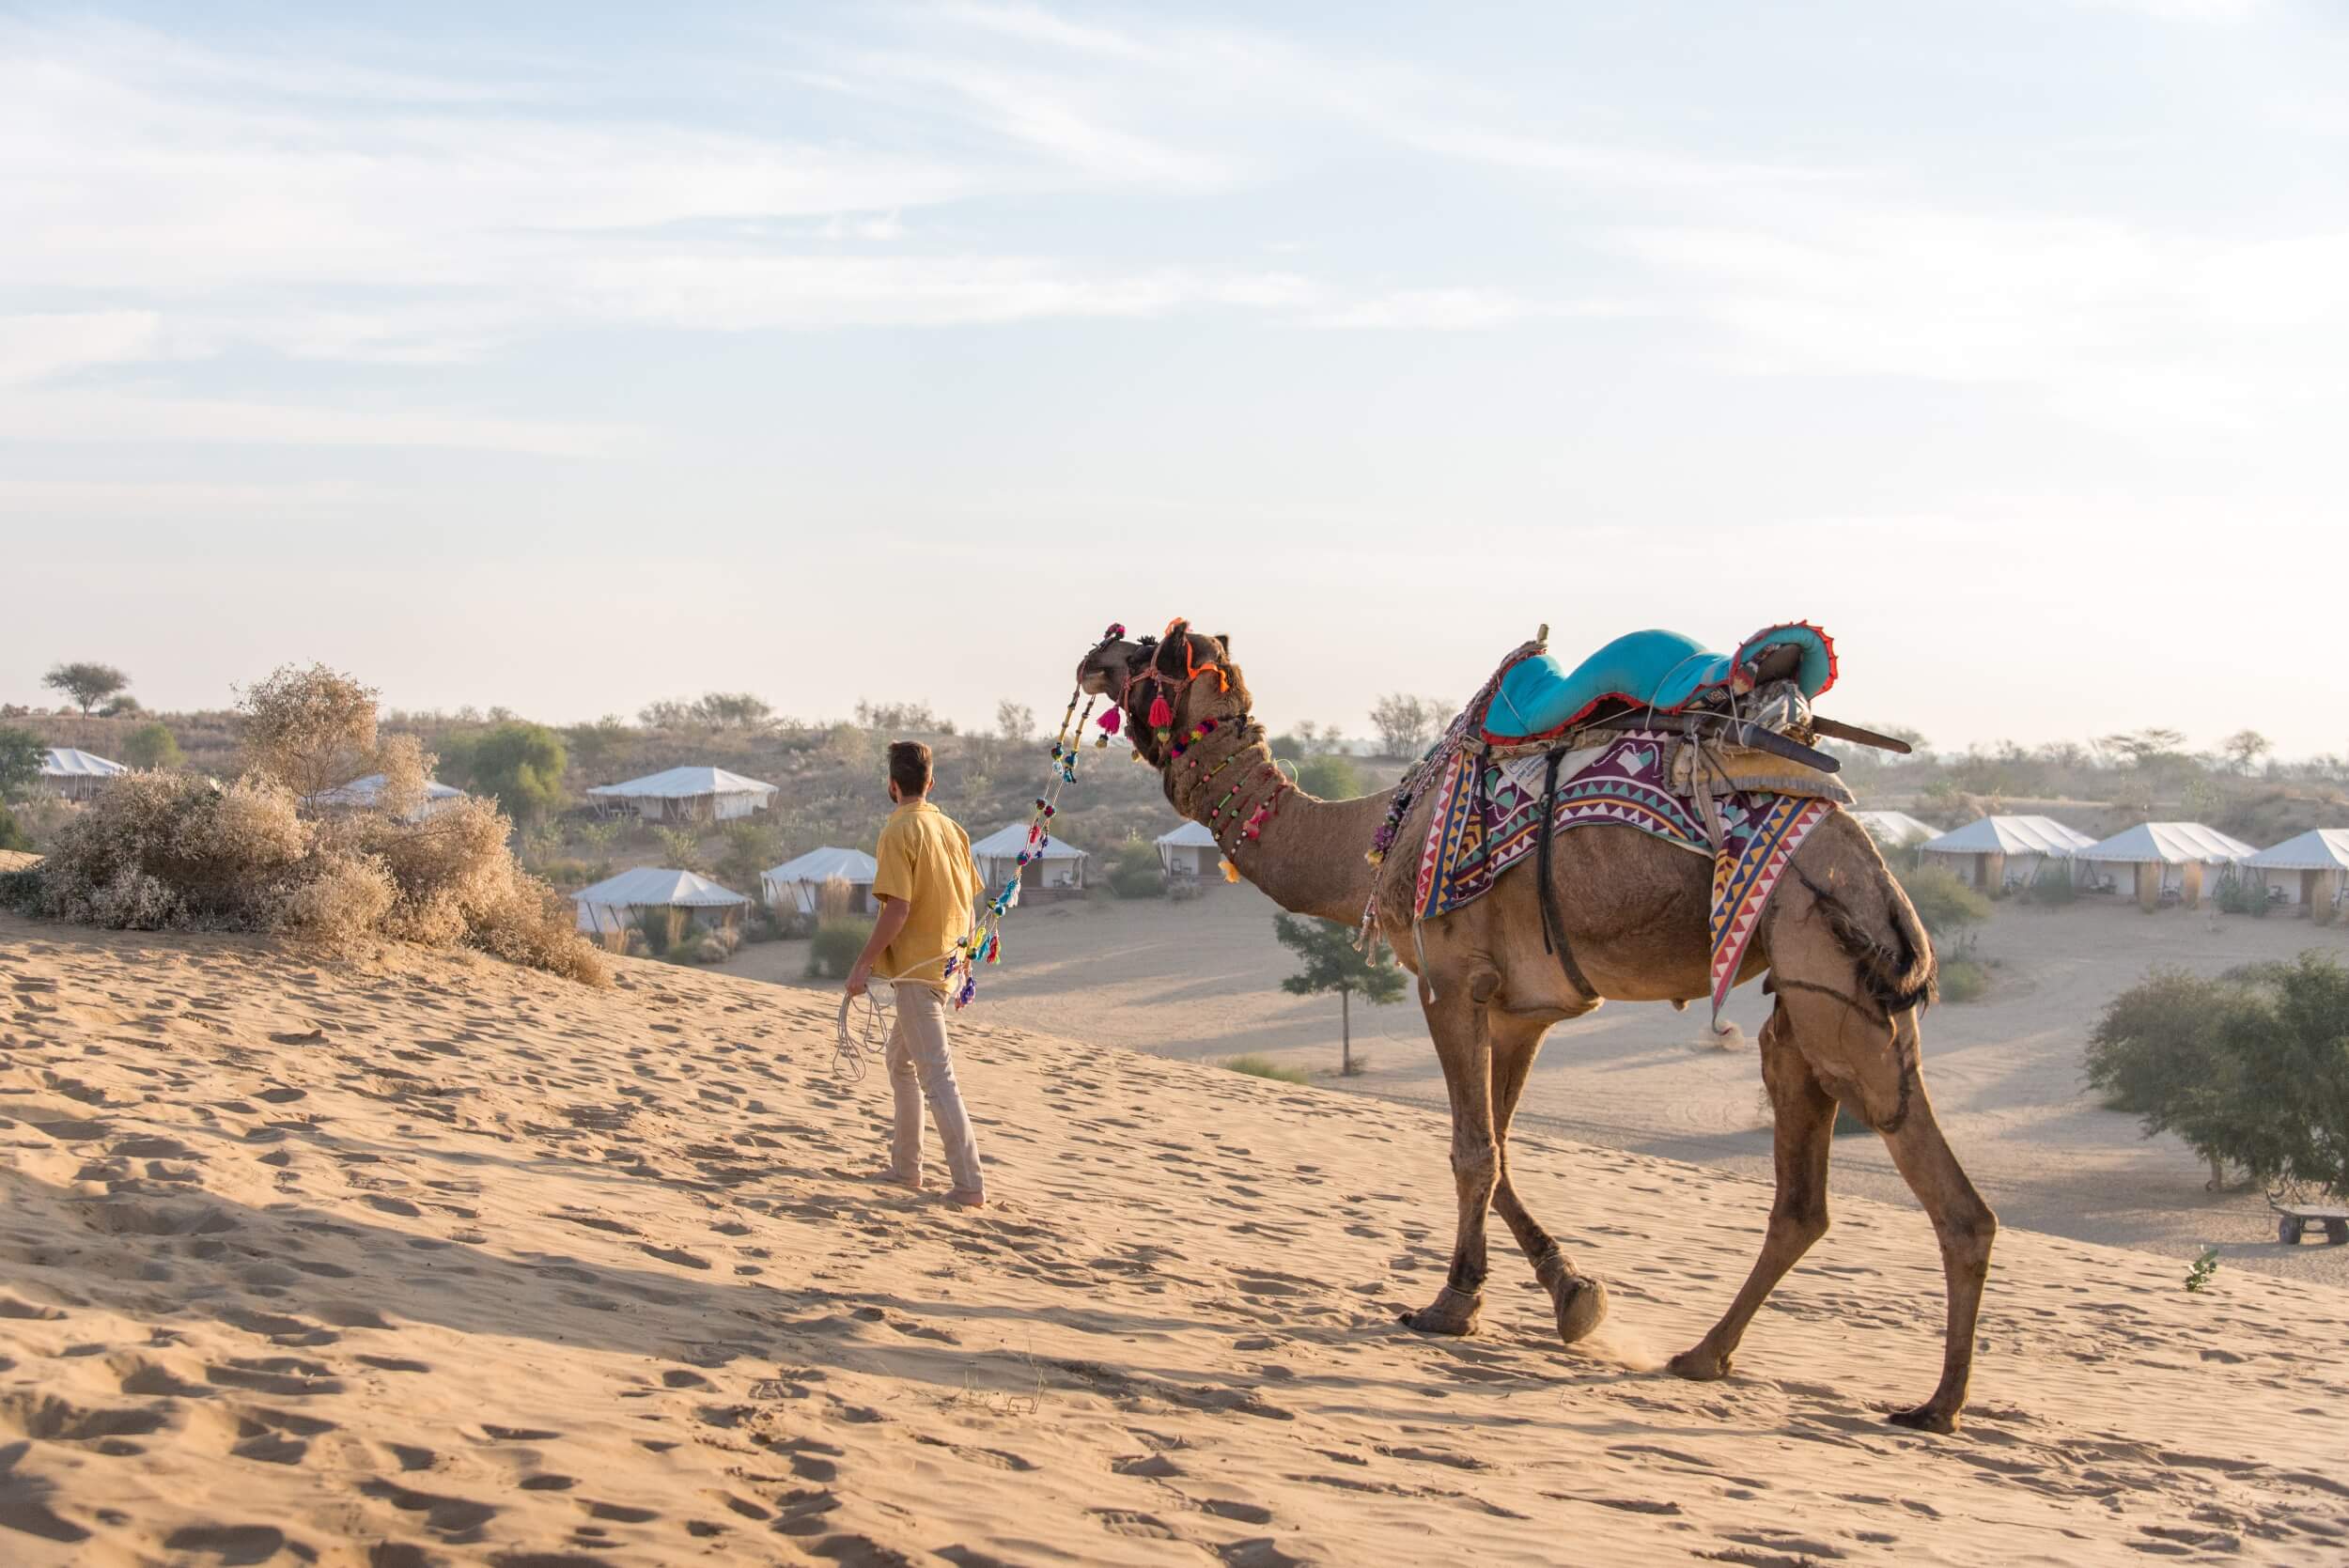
pixel 1966 1227
pixel 1578 1299
pixel 1804 1122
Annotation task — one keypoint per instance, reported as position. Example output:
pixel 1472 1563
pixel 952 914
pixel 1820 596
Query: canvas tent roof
pixel 684 784
pixel 362 792
pixel 1190 835
pixel 658 887
pixel 821 865
pixel 65 762
pixel 1005 843
pixel 2318 849
pixel 2169 843
pixel 2011 835
pixel 1896 828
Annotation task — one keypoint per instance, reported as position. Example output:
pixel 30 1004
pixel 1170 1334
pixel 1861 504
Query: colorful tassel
pixel 1161 713
pixel 1112 720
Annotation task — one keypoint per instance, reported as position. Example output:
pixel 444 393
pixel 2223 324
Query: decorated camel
pixel 1626 915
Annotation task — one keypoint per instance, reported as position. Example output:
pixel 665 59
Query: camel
pixel 1850 967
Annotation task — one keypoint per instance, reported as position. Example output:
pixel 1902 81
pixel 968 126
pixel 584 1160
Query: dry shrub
pixel 406 766
pixel 311 729
pixel 172 849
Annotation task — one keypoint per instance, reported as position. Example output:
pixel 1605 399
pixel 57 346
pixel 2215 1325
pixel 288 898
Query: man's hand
pixel 859 974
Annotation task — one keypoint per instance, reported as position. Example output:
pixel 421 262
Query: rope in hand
pixel 859 1045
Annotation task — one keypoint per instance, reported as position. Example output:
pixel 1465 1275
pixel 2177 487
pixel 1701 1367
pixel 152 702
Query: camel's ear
pixel 1224 641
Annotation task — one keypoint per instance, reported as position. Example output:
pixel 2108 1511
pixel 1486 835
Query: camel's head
pixel 1189 671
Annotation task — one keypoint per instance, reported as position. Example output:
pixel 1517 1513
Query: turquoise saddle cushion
pixel 1655 669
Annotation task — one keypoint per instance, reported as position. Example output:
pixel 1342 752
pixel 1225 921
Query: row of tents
pixel 797 885
pixel 2155 861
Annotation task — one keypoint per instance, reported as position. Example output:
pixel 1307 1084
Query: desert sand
pixel 422 1258
pixel 1201 981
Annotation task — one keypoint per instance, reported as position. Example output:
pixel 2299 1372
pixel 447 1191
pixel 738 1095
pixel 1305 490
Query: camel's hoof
pixel 1698 1366
pixel 1925 1418
pixel 1582 1308
pixel 1427 1320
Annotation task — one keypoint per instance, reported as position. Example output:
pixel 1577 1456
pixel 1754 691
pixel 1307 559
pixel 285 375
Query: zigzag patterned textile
pixel 1488 816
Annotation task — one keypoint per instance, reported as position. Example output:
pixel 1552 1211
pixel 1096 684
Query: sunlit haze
pixel 566 358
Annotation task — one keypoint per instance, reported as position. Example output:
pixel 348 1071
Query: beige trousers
pixel 921 1066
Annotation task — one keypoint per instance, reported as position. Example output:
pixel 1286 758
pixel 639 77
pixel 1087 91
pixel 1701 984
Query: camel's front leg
pixel 1464 1047
pixel 1803 1115
pixel 1966 1227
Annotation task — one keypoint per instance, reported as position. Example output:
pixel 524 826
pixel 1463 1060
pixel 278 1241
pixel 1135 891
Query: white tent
pixel 1190 851
pixel 1058 868
pixel 1995 852
pixel 361 795
pixel 77 774
pixel 1896 830
pixel 2163 857
pixel 798 884
pixel 611 904
pixel 689 795
pixel 2311 870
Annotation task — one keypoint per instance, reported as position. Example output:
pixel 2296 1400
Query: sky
pixel 566 357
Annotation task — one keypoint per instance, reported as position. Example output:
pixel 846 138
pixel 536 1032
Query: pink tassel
pixel 1161 714
pixel 1112 720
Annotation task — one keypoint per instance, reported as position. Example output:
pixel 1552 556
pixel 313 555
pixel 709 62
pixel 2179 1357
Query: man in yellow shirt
pixel 927 885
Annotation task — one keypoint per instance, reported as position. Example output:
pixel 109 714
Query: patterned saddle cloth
pixel 1659 670
pixel 1488 818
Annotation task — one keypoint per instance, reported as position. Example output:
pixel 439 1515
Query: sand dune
pixel 426 1259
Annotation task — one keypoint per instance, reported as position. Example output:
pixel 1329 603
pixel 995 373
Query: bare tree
pixel 1014 721
pixel 1406 725
pixel 2246 747
pixel 311 730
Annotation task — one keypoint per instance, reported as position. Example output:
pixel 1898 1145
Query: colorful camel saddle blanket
pixel 1488 818
pixel 1661 672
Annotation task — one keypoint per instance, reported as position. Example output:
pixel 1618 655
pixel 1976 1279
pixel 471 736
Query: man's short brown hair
pixel 910 767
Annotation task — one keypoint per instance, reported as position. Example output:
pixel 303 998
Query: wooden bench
pixel 2293 1219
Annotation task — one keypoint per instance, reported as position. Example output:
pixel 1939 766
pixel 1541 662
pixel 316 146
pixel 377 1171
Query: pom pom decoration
pixel 1112 721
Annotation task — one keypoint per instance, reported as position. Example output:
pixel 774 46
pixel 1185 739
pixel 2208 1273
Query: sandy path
pixel 1200 981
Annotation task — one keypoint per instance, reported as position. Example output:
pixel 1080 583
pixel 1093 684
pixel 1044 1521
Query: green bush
pixel 11 835
pixel 662 927
pixel 521 764
pixel 1331 778
pixel 834 947
pixel 1264 1066
pixel 2247 1069
pixel 1947 906
pixel 1965 980
pixel 1135 872
pixel 152 746
pixel 21 758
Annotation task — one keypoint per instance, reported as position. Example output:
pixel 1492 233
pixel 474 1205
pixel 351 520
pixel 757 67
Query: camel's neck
pixel 1307 854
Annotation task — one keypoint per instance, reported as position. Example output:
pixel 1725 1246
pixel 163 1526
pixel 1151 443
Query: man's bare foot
pixel 963 1199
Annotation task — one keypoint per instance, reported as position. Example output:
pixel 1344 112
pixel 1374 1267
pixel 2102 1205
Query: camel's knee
pixel 1967 1232
pixel 1476 1160
pixel 1802 1221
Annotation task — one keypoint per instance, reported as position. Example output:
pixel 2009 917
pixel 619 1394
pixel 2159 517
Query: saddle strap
pixel 1553 928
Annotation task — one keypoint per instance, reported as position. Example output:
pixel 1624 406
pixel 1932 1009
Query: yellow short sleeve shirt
pixel 924 857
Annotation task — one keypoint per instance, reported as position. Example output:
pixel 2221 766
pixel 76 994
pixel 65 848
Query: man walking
pixel 927 886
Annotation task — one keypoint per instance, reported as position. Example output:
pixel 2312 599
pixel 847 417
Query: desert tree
pixel 2245 747
pixel 86 682
pixel 1333 963
pixel 310 729
pixel 21 758
pixel 733 710
pixel 1014 721
pixel 1404 724
pixel 1331 777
